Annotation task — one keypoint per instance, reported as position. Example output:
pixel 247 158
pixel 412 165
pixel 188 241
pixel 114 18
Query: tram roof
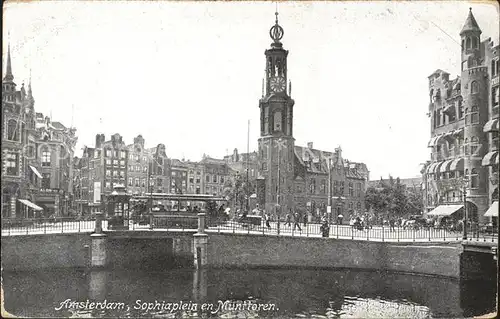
pixel 189 197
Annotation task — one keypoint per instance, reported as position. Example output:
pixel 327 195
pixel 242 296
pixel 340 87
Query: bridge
pixel 195 240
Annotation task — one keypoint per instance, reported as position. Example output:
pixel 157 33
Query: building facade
pixel 37 156
pixel 294 178
pixel 464 129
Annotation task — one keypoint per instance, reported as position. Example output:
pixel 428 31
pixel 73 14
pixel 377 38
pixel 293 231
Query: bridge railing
pixel 373 233
pixel 18 226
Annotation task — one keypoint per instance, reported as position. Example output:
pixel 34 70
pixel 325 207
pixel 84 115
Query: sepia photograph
pixel 250 159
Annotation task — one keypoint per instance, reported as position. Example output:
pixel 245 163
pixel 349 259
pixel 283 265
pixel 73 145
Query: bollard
pixel 98 223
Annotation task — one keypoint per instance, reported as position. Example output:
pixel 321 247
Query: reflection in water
pixel 228 293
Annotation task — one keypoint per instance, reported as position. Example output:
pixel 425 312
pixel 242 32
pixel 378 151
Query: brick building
pixel 464 129
pixel 20 179
pixel 293 177
pixel 55 145
pixel 37 156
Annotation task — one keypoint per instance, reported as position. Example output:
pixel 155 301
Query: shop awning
pixel 493 210
pixel 490 159
pixel 433 141
pixel 445 210
pixel 37 173
pixel 491 126
pixel 445 167
pixel 457 164
pixel 431 167
pixel 30 204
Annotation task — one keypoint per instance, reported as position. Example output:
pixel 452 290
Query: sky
pixel 189 74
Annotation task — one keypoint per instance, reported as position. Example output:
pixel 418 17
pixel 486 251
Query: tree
pixel 237 190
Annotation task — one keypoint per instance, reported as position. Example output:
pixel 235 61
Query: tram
pixel 177 206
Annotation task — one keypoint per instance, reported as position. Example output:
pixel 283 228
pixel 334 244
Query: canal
pixel 247 293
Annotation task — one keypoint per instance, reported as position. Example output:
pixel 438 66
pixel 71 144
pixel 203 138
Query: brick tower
pixel 276 142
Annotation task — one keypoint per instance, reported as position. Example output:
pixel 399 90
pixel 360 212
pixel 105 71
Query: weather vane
pixel 276 31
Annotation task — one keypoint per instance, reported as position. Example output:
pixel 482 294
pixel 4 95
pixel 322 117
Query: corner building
pixel 464 129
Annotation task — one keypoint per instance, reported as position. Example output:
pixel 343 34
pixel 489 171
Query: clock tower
pixel 276 142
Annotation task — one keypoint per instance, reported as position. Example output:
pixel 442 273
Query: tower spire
pixel 470 24
pixel 8 72
pixel 30 93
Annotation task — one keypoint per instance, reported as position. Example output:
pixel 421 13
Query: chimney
pixel 99 139
pixel 310 145
pixel 235 155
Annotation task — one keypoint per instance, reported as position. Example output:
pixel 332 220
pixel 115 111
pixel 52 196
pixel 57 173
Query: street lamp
pixel 465 182
pixel 307 164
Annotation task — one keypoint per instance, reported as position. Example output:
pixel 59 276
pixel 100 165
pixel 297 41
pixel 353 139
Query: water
pixel 281 293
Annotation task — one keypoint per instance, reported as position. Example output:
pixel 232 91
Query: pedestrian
pixel 305 220
pixel 268 219
pixel 339 219
pixel 391 223
pixel 325 227
pixel 288 220
pixel 296 221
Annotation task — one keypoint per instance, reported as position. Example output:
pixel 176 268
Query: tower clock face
pixel 277 84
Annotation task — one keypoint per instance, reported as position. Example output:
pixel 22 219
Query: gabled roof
pixel 438 71
pixel 470 24
pixel 58 126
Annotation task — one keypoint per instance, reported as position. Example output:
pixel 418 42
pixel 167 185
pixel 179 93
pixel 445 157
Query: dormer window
pixel 474 87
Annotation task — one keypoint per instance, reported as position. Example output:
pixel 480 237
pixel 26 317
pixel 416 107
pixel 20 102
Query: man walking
pixel 288 220
pixel 296 221
pixel 267 218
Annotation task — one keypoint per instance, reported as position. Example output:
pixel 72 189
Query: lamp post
pixel 465 181
pixel 307 164
pixel 330 188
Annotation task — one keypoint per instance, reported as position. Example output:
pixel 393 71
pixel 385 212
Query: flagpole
pixel 248 155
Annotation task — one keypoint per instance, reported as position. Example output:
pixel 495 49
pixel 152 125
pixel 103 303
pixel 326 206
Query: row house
pixel 464 131
pixel 216 173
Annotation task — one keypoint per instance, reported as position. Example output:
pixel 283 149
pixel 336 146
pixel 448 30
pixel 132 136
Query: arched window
pixel 45 156
pixel 493 68
pixel 474 116
pixel 474 178
pixel 474 43
pixel 463 45
pixel 466 146
pixel 474 145
pixel 277 121
pixel 466 116
pixel 474 87
pixel 468 43
pixel 12 131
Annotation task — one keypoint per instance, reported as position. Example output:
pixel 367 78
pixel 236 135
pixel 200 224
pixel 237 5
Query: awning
pixel 490 159
pixel 30 204
pixel 434 168
pixel 445 167
pixel 491 126
pixel 37 173
pixel 493 210
pixel 457 165
pixel 432 141
pixel 445 210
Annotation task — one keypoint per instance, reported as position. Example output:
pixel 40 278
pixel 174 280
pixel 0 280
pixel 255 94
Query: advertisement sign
pixel 97 192
pixel 328 209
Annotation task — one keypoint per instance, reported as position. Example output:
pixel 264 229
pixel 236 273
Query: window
pixel 358 207
pixel 131 168
pixel 97 154
pixel 191 180
pixel 122 162
pixel 198 173
pixel 460 110
pixel 108 162
pixel 198 180
pixel 351 189
pixel 358 189
pixel 12 164
pixel 474 42
pixel 116 173
pixel 438 119
pixel 108 172
pixel 214 179
pixel 312 186
pixel 342 188
pixel 495 96
pixel 322 187
pixel 159 182
pixel 222 179
pixel 474 119
pixel 474 145
pixel 123 154
pixel 474 178
pixel 108 185
pixel 107 153
pixel 45 180
pixel 137 182
pixel 474 87
pixel 468 43
pixel 130 181
pixel 143 184
pixel 264 166
pixel 12 131
pixel 207 179
pixel 145 169
pixel 466 116
pixel 137 168
pixel 115 153
pixel 174 173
